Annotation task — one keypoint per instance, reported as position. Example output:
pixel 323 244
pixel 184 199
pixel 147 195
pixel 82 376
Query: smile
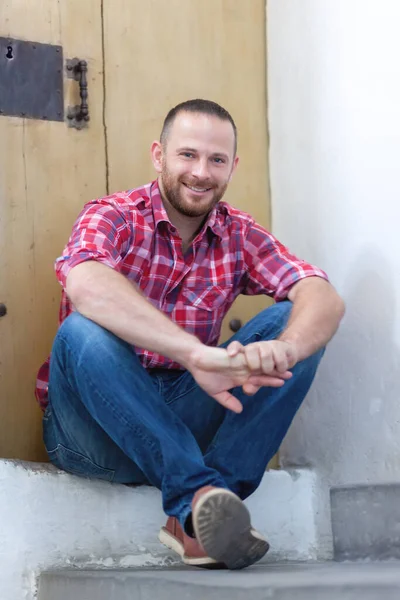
pixel 197 189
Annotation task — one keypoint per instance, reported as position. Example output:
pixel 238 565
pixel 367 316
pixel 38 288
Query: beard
pixel 174 188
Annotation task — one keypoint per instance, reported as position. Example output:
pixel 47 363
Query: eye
pixel 187 154
pixel 218 160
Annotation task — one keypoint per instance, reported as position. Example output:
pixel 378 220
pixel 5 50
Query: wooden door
pixel 160 53
pixel 47 172
pixel 155 53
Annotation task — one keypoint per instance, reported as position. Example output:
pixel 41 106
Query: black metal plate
pixel 31 80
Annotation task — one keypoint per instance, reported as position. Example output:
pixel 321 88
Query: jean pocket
pixel 77 464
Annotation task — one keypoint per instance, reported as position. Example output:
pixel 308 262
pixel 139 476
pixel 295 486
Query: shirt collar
pixel 216 220
pixel 159 212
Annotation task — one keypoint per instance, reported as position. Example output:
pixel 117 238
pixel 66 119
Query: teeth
pixel 195 189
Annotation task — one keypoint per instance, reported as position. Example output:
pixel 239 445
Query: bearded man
pixel 137 390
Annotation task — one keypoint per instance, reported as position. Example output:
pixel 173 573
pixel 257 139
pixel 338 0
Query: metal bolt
pixel 235 325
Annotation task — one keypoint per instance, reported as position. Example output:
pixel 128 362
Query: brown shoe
pixel 222 526
pixel 189 549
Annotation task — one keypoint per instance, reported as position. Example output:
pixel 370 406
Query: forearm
pixel 316 315
pixel 111 300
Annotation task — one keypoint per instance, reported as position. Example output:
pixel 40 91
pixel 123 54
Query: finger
pixel 234 348
pixel 267 358
pixel 250 389
pixel 286 375
pixel 280 357
pixel 229 401
pixel 265 381
pixel 252 353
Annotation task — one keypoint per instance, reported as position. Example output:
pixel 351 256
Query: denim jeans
pixel 109 418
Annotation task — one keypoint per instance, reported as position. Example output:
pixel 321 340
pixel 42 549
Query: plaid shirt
pixel 131 233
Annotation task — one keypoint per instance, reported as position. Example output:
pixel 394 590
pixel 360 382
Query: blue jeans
pixel 109 418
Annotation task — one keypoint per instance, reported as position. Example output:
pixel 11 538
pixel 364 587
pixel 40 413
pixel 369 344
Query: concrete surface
pixel 366 521
pixel 329 581
pixel 50 520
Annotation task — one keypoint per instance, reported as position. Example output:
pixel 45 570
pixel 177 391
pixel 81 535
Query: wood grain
pixel 157 54
pixel 47 172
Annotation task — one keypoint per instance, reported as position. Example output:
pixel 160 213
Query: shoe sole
pixel 174 544
pixel 222 526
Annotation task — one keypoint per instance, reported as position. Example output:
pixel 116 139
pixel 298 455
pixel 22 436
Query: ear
pixel 156 155
pixel 234 166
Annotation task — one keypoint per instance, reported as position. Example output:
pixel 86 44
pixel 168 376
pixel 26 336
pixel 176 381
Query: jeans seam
pixel 175 398
pixel 86 458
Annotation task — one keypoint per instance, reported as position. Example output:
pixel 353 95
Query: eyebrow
pixel 194 151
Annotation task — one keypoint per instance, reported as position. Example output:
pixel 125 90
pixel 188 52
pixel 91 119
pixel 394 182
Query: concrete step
pixel 366 521
pixel 303 581
pixel 52 520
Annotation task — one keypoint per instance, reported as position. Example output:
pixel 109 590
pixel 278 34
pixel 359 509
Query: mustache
pixel 198 183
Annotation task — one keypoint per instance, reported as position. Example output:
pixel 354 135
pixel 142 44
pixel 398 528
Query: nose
pixel 200 169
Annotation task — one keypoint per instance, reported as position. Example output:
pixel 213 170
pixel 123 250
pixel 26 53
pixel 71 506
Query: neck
pixel 187 227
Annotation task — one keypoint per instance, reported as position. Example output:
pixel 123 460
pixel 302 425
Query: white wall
pixel 334 114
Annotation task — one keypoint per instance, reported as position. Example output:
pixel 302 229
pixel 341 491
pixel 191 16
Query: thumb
pixel 234 348
pixel 229 401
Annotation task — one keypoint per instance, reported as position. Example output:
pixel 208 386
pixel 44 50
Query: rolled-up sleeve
pixel 100 233
pixel 271 268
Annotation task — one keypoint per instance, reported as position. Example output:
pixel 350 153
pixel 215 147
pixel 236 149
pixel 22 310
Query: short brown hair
pixel 205 107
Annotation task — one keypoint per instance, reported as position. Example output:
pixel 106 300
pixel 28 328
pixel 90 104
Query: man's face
pixel 196 162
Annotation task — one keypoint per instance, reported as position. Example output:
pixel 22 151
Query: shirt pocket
pixel 203 311
pixel 210 298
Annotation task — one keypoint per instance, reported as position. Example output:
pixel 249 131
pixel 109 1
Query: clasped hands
pixel 218 370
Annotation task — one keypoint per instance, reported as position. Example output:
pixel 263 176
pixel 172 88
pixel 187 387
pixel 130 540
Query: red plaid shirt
pixel 131 233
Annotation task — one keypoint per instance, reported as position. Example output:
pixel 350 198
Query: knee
pixel 79 332
pixel 76 324
pixel 281 312
pixel 272 321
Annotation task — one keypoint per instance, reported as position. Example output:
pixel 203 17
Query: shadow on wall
pixel 349 425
